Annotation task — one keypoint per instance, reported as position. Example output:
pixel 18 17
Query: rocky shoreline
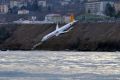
pixel 83 37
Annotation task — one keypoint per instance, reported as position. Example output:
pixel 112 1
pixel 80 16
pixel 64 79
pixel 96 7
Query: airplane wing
pixel 62 32
pixel 57 34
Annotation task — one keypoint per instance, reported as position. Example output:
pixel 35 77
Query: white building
pixel 65 2
pixel 97 7
pixel 55 18
pixel 3 8
pixel 13 3
pixel 17 3
pixel 42 3
pixel 117 6
pixel 24 11
pixel 66 19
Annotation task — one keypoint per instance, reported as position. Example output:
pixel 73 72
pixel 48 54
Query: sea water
pixel 59 65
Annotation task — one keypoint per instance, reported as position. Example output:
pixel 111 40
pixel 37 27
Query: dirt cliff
pixel 83 37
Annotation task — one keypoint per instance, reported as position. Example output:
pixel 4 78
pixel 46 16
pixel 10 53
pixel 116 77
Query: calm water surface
pixel 53 65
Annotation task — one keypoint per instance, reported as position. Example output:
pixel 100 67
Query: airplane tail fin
pixel 72 18
pixel 57 26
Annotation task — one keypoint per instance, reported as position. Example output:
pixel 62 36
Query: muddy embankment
pixel 83 37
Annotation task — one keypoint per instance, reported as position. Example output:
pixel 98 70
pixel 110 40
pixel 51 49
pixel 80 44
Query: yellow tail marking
pixel 72 18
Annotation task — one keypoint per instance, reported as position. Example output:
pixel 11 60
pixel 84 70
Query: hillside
pixel 83 37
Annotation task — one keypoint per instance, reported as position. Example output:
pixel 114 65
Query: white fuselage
pixel 58 31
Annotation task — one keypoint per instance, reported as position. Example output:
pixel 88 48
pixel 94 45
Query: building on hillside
pixel 14 3
pixel 24 11
pixel 66 19
pixel 55 18
pixel 17 3
pixel 3 8
pixel 4 2
pixel 117 6
pixel 96 7
pixel 92 0
pixel 64 3
pixel 42 3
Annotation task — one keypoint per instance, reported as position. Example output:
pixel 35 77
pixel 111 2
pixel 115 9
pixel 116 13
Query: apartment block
pixel 117 6
pixel 97 7
pixel 42 3
pixel 3 9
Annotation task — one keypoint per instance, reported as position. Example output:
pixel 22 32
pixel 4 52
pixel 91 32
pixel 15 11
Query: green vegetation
pixel 4 34
pixel 89 17
pixel 110 10
pixel 117 15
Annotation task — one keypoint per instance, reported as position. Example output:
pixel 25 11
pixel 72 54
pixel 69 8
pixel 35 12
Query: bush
pixel 4 34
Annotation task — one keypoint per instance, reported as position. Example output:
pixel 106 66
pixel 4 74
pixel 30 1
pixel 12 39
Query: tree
pixel 110 10
pixel 40 8
pixel 35 5
pixel 89 11
pixel 14 10
pixel 118 14
pixel 23 7
pixel 4 34
pixel 29 6
pixel 9 11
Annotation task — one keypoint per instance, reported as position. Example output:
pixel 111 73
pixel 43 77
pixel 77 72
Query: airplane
pixel 64 29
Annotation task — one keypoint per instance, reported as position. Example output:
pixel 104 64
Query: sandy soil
pixel 84 37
